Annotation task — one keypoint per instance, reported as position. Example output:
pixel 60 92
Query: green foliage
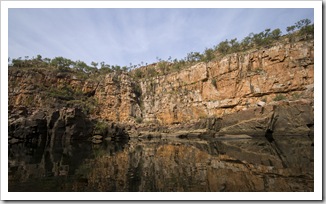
pixel 80 66
pixel 223 47
pixel 193 57
pixel 303 26
pixel 151 72
pixel 176 66
pixel 105 70
pixel 101 128
pixel 308 30
pixel 208 55
pixel 296 96
pixel 234 45
pixel 90 105
pixel 139 120
pixel 290 29
pixel 302 23
pixel 64 93
pixel 246 43
pixel 138 73
pixel 214 82
pixel 63 64
pixel 137 89
pixel 116 69
pixel 163 66
pixel 279 97
pixel 39 57
pixel 94 64
pixel 276 34
pixel 124 68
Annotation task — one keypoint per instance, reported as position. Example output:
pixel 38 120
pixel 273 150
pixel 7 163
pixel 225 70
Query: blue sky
pixel 124 36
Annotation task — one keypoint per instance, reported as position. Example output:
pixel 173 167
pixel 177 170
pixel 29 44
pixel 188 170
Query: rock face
pixel 27 128
pixel 118 99
pixel 295 118
pixel 71 123
pixel 234 83
pixel 63 125
pixel 258 92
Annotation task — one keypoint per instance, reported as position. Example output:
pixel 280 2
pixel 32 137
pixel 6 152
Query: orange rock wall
pixel 233 83
pixel 241 79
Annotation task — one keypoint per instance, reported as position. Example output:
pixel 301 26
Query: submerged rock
pixel 95 141
pixel 97 137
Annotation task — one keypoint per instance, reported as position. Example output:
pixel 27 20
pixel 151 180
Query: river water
pixel 169 165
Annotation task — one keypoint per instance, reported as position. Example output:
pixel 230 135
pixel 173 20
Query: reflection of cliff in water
pixel 166 165
pixel 52 166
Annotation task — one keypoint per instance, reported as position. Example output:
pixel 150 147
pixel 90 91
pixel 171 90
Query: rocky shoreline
pixel 247 153
pixel 278 119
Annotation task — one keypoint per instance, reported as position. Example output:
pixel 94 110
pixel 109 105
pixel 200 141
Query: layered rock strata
pixel 269 89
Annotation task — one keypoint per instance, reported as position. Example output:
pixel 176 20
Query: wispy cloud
pixel 121 36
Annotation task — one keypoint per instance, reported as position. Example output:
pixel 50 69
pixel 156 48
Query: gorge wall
pixel 236 82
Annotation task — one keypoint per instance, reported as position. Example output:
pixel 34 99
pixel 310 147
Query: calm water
pixel 152 165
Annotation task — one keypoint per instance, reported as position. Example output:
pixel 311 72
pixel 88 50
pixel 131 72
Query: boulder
pixel 261 103
pixel 97 137
pixel 282 119
pixel 70 122
pixel 27 128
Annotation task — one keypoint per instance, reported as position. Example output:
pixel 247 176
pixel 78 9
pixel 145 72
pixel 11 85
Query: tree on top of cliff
pixel 303 26
pixel 208 55
pixel 276 34
pixel 62 63
pixel 223 47
pixel 253 40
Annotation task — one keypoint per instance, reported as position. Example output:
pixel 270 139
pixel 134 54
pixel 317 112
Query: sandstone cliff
pixel 234 83
pixel 253 112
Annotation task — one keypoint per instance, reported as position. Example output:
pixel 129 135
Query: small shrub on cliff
pixel 214 83
pixel 139 120
pixel 138 74
pixel 137 89
pixel 163 66
pixel 100 128
pixel 279 97
pixel 295 96
pixel 151 72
